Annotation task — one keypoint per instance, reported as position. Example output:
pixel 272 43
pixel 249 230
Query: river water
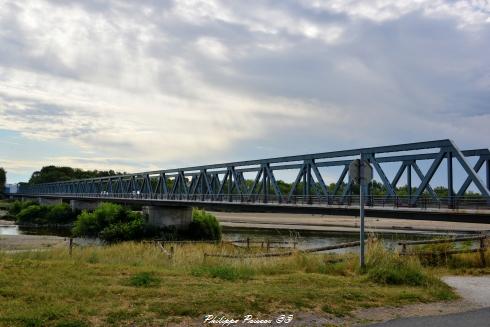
pixel 257 237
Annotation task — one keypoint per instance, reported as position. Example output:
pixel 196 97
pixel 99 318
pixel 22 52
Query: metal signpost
pixel 360 171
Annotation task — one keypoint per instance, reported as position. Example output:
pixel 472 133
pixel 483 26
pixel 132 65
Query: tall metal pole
pixel 362 183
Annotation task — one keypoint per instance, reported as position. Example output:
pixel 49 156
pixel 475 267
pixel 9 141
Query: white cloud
pixel 468 13
pixel 212 48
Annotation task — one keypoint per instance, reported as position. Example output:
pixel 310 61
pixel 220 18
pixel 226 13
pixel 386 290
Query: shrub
pixel 33 214
pixel 113 223
pixel 132 230
pixel 60 214
pixel 204 226
pixel 386 267
pixel 17 206
pixel 86 225
pixel 92 223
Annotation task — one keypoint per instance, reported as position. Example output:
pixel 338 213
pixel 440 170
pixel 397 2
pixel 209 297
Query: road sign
pixel 355 171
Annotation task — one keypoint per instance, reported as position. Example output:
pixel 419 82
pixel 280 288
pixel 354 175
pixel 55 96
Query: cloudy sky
pixel 136 85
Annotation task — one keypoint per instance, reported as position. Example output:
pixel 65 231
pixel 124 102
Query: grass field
pixel 134 283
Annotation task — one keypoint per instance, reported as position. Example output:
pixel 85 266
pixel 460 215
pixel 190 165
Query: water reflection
pixel 9 230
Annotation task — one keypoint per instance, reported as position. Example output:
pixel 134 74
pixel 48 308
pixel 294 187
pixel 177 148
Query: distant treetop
pixel 54 174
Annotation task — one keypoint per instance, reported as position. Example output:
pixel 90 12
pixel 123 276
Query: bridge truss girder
pixel 226 182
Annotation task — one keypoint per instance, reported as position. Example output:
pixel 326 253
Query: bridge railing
pixel 399 202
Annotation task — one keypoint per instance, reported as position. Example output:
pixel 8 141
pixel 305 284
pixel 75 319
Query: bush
pixel 29 212
pixel 113 223
pixel 386 267
pixel 204 226
pixel 86 225
pixel 17 206
pixel 35 214
pixel 132 230
pixel 60 214
pixel 92 223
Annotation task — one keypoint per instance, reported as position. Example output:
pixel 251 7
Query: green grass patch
pixel 136 284
pixel 226 272
pixel 144 279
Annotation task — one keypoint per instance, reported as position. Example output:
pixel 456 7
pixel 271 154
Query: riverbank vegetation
pixel 3 180
pixel 31 213
pixel 113 223
pixel 137 283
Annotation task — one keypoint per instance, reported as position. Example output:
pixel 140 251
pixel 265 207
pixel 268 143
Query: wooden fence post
pixel 404 248
pixel 482 251
pixel 71 245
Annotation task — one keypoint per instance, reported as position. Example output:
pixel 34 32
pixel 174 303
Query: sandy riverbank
pixel 30 242
pixel 342 223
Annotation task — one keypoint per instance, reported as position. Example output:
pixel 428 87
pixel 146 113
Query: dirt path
pixel 474 292
pixel 474 289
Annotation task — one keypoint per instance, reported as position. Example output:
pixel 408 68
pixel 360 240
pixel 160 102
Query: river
pixel 258 237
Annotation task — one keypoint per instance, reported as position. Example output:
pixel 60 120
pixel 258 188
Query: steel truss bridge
pixel 224 185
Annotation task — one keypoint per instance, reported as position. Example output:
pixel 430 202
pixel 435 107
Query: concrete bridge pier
pixel 179 217
pixel 49 201
pixel 83 205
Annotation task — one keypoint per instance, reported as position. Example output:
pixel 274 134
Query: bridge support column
pixel 179 217
pixel 83 205
pixel 49 201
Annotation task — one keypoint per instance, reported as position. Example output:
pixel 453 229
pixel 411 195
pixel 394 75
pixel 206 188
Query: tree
pixel 55 174
pixel 3 179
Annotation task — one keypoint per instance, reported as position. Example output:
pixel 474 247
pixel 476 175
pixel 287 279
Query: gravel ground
pixel 474 289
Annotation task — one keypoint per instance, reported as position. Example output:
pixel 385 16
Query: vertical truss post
pixel 230 185
pixel 409 181
pixel 450 189
pixel 305 183
pixel 308 183
pixel 488 174
pixel 202 177
pixel 265 185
